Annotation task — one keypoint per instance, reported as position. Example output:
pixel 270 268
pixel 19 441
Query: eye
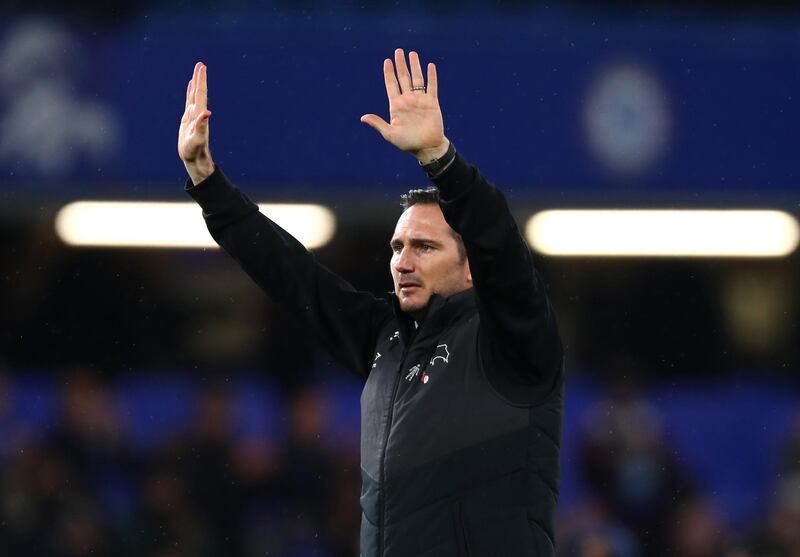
pixel 426 248
pixel 396 248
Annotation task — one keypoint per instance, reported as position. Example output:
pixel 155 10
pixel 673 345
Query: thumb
pixel 377 123
pixel 202 119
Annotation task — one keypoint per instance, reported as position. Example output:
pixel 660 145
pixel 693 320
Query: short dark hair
pixel 430 196
pixel 427 196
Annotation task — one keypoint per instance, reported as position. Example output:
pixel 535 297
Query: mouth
pixel 408 287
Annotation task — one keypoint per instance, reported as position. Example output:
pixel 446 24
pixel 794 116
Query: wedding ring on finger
pixel 418 88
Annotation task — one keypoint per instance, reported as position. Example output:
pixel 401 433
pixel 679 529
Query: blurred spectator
pixel 193 502
pixel 779 535
pixel 783 525
pixel 44 512
pixel 698 529
pixel 760 545
pixel 77 488
pixel 627 464
pixel 168 524
pixel 591 531
pixel 91 438
pixel 303 484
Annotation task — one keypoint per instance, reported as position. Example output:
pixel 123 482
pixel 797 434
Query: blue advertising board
pixel 558 105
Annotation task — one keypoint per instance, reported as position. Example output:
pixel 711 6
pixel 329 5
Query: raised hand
pixel 193 146
pixel 416 124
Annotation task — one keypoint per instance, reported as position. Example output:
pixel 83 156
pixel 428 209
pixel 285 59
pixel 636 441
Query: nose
pixel 404 261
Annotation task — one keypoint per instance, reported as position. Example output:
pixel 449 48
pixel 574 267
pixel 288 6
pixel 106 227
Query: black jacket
pixel 461 417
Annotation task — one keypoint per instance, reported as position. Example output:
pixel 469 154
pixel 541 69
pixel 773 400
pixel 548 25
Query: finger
pixel 201 122
pixel 417 79
pixel 187 112
pixel 195 71
pixel 433 82
pixel 402 70
pixel 392 87
pixel 377 123
pixel 201 96
pixel 188 94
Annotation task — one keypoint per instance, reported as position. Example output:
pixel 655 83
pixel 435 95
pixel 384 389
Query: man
pixel 462 406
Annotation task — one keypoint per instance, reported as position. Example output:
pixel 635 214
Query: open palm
pixel 193 145
pixel 415 119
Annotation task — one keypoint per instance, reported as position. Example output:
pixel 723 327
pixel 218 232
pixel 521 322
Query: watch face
pixel 627 119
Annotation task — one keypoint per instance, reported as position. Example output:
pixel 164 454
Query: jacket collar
pixel 439 313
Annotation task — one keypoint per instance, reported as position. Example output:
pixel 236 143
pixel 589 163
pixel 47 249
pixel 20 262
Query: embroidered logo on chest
pixel 441 354
pixel 413 373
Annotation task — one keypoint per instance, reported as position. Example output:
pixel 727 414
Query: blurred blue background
pixel 155 403
pixel 679 102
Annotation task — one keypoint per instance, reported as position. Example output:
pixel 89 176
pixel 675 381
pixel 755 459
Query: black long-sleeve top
pixel 461 422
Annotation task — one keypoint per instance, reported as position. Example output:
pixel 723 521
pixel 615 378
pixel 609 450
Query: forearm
pixel 479 212
pixel 343 318
pixel 512 300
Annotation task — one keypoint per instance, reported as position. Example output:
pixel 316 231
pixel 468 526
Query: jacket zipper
pixel 381 516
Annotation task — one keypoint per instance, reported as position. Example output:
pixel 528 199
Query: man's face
pixel 426 258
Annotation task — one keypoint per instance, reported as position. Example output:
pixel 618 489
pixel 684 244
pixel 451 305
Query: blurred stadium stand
pixel 154 403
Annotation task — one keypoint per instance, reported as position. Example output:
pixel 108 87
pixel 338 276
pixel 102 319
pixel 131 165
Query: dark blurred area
pixel 129 8
pixel 155 403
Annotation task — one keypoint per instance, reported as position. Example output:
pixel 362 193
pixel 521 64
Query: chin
pixel 412 304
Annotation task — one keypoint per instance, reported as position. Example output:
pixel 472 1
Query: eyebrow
pixel 415 242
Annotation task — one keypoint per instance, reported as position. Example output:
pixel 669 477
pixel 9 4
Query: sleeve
pixel 347 321
pixel 517 320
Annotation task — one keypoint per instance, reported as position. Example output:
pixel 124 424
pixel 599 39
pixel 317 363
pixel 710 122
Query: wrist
pixel 199 169
pixel 427 156
pixel 437 166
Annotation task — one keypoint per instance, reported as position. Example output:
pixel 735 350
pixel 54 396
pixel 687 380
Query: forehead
pixel 422 220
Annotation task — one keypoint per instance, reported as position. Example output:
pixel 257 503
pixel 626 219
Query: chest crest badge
pixel 442 354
